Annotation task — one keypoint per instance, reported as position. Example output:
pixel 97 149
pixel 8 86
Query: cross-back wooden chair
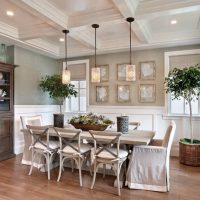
pixel 106 153
pixel 41 144
pixel 72 148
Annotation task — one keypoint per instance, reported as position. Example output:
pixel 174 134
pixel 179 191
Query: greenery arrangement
pixel 56 89
pixel 91 118
pixel 185 83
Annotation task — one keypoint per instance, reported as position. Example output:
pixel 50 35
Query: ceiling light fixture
pixel 173 22
pixel 66 71
pixel 95 71
pixel 130 69
pixel 10 13
pixel 61 40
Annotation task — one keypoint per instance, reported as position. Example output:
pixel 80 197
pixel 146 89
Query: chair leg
pixel 72 163
pixel 31 168
pixel 48 166
pixel 94 174
pixel 118 181
pixel 60 168
pixel 80 166
pixel 104 170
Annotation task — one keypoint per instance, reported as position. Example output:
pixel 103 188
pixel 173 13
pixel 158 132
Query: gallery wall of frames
pixel 147 88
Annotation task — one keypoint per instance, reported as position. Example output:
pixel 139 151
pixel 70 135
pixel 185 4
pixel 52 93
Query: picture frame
pixel 147 93
pixel 104 73
pixel 121 71
pixel 147 70
pixel 123 93
pixel 102 94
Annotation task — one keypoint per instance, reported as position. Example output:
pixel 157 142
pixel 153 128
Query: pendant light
pixel 130 69
pixel 95 71
pixel 66 71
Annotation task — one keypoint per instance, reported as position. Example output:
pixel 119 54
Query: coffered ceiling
pixel 38 24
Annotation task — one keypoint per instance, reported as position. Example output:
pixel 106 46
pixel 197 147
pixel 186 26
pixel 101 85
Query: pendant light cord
pixel 66 49
pixel 130 20
pixel 95 26
pixel 95 36
pixel 130 43
pixel 66 32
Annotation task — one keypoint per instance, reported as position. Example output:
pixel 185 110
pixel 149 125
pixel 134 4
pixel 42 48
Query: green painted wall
pixel 31 68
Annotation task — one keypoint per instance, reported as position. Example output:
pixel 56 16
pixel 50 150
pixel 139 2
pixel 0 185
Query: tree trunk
pixel 191 127
pixel 60 108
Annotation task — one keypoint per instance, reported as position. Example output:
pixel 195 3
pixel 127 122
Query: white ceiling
pixel 38 24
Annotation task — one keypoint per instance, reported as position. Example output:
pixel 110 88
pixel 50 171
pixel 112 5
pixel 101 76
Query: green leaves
pixel 184 82
pixel 56 89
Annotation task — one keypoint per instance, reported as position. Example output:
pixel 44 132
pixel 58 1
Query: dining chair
pixel 72 148
pixel 35 120
pixel 134 125
pixel 42 145
pixel 149 165
pixel 105 152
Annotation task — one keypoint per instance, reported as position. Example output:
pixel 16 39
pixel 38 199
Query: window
pixel 77 104
pixel 181 59
pixel 181 107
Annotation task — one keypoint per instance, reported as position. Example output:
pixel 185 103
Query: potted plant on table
pixel 186 83
pixel 91 121
pixel 58 91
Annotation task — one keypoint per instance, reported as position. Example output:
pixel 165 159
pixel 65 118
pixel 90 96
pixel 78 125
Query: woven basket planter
pixel 189 154
pixel 87 127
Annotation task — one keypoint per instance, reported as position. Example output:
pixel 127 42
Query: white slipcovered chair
pixel 35 120
pixel 149 165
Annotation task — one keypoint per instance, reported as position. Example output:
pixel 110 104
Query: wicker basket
pixel 189 154
pixel 87 127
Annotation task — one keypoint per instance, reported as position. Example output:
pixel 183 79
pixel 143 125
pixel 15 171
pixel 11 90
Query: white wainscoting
pixel 151 118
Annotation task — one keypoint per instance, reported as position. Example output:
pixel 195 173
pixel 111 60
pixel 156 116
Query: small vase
pixel 58 120
pixel 122 124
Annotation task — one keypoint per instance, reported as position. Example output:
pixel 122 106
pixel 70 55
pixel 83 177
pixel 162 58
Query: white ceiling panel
pixel 38 24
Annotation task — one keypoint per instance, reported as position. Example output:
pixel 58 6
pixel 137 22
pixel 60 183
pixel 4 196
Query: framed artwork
pixel 147 93
pixel 104 73
pixel 147 70
pixel 123 93
pixel 102 93
pixel 121 72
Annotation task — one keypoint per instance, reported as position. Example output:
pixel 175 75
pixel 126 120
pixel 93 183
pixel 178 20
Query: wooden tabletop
pixel 135 137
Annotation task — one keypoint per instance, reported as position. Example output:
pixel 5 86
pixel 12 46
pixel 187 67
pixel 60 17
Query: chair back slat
pixel 39 134
pixel 105 140
pixel 67 136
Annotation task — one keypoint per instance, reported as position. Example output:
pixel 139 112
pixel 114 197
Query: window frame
pixel 166 71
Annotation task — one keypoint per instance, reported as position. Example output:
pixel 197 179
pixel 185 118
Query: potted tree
pixel 58 91
pixel 186 83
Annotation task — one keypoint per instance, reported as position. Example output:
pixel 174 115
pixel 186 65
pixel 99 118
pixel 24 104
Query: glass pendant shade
pixel 130 73
pixel 95 75
pixel 65 74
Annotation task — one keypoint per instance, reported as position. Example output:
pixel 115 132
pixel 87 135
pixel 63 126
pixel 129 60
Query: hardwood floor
pixel 15 184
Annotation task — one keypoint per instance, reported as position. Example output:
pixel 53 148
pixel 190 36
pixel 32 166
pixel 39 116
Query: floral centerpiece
pixel 91 121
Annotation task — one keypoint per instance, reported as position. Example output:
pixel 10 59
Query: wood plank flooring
pixel 15 184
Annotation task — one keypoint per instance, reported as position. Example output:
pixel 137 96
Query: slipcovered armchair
pixel 149 165
pixel 35 120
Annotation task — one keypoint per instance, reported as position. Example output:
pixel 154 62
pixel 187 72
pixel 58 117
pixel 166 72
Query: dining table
pixel 132 137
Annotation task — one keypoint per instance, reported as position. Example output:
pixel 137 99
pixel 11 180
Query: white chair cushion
pixel 52 145
pixel 105 154
pixel 83 148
